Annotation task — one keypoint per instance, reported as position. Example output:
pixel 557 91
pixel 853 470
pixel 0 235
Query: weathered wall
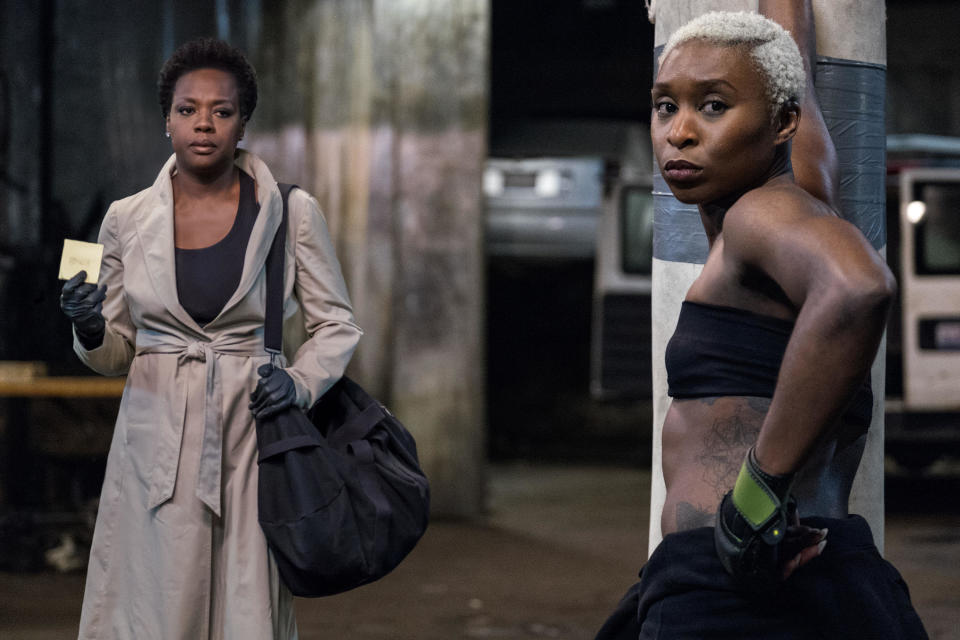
pixel 19 120
pixel 384 119
pixel 19 155
pixel 80 128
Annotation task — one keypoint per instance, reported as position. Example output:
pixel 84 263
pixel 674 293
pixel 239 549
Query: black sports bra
pixel 723 351
pixel 207 277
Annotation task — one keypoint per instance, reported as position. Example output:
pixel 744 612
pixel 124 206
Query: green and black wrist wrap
pixel 751 523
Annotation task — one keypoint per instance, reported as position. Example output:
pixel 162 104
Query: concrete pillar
pixel 851 48
pixel 385 121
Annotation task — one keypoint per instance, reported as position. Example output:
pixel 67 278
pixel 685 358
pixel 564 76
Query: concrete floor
pixel 558 549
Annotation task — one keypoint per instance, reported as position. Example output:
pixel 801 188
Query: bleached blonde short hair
pixel 770 46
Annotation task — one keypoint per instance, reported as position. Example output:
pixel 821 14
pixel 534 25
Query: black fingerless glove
pixel 751 524
pixel 275 392
pixel 82 303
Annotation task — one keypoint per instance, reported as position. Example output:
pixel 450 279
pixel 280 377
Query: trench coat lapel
pixel 155 228
pixel 264 229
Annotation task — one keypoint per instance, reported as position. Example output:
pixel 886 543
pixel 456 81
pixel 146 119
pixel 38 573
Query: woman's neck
pixel 712 213
pixel 203 186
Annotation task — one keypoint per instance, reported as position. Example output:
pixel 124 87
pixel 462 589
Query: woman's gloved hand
pixel 82 303
pixel 275 392
pixel 752 524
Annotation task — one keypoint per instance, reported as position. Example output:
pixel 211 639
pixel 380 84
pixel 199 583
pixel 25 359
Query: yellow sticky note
pixel 81 256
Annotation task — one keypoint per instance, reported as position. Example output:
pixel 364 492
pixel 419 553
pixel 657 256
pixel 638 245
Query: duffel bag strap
pixel 288 444
pixel 273 316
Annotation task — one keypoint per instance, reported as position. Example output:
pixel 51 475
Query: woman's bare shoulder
pixel 799 242
pixel 782 223
pixel 776 203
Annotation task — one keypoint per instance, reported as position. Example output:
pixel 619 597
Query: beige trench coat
pixel 177 552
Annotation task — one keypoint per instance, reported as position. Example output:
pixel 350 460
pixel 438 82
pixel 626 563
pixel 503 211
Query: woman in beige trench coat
pixel 177 550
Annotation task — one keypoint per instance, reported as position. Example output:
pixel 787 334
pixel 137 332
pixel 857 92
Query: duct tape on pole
pixel 850 84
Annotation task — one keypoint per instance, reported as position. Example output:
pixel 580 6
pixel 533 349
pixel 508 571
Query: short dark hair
pixel 208 53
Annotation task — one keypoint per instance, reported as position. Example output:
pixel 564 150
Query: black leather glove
pixel 82 303
pixel 751 525
pixel 275 392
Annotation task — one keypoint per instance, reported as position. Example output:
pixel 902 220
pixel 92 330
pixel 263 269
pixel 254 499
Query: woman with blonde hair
pixel 769 365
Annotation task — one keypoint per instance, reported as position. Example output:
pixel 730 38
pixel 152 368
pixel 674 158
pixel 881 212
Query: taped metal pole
pixel 851 87
pixel 850 84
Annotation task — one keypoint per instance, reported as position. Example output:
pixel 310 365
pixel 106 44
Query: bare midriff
pixel 704 444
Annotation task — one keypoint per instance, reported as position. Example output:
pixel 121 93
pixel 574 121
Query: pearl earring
pixel 168 134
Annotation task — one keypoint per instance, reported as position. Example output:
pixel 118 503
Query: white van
pixel 621 364
pixel 923 363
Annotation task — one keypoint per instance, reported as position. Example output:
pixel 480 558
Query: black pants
pixel 847 592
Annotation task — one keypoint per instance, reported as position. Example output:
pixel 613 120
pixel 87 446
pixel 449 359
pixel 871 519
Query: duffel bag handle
pixel 357 427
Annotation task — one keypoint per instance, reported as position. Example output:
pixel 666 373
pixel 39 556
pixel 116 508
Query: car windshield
pixel 938 230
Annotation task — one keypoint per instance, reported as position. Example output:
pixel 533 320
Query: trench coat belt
pixel 164 474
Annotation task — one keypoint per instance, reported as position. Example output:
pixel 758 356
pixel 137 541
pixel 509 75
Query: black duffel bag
pixel 341 496
pixel 342 499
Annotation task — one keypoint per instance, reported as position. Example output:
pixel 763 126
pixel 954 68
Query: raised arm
pixel 814 157
pixel 113 355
